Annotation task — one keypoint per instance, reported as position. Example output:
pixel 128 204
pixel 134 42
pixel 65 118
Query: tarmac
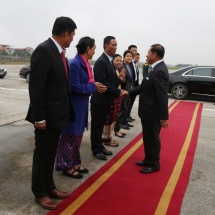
pixel 17 145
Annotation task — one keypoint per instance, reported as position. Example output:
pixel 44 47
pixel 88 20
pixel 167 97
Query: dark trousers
pixel 43 161
pixel 152 144
pixel 98 118
pixel 131 103
pixel 118 123
pixel 125 103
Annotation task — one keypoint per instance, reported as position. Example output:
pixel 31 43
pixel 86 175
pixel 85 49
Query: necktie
pixel 150 69
pixel 64 62
pixel 137 69
pixel 130 72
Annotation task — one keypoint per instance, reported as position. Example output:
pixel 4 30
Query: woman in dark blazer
pixel 81 85
pixel 129 84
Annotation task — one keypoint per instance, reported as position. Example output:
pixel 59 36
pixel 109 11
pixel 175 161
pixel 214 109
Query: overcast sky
pixel 184 27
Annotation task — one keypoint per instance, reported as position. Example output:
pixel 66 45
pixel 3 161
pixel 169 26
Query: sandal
pixel 112 143
pixel 83 171
pixel 71 175
pixel 122 133
pixel 118 135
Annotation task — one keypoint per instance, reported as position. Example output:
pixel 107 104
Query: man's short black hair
pixel 107 40
pixel 158 49
pixel 132 46
pixel 63 24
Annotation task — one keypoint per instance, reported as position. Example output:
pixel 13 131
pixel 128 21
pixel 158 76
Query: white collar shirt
pixel 60 49
pixel 109 57
pixel 157 62
pixel 135 69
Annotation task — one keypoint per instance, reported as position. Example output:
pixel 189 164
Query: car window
pixel 202 72
pixel 189 73
pixel 207 72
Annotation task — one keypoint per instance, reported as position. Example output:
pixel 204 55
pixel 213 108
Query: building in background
pixel 8 53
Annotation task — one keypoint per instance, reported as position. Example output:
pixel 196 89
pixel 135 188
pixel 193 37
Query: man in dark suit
pixel 101 102
pixel 135 72
pixel 153 107
pixel 50 109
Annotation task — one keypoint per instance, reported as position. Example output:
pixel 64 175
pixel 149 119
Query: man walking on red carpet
pixel 153 107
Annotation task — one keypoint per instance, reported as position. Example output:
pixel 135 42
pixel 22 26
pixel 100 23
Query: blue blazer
pixel 80 90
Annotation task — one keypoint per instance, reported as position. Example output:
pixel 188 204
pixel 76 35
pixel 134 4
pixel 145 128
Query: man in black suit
pixel 153 107
pixel 135 72
pixel 101 102
pixel 50 109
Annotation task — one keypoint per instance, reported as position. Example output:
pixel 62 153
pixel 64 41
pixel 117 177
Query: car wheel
pixel 179 91
pixel 27 77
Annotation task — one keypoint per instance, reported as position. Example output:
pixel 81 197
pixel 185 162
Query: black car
pixel 3 72
pixel 25 72
pixel 199 80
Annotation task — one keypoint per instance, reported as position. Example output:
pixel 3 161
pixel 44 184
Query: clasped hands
pixel 122 74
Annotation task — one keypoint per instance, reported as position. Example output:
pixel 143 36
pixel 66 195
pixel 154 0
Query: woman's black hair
pixel 84 43
pixel 126 52
pixel 116 55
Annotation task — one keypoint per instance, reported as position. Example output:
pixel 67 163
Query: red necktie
pixel 64 62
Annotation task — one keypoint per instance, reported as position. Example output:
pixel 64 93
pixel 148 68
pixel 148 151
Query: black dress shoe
pixel 125 127
pixel 106 152
pixel 129 125
pixel 130 118
pixel 100 156
pixel 149 170
pixel 141 163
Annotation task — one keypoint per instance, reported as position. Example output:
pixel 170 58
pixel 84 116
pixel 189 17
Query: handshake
pixel 100 88
pixel 124 93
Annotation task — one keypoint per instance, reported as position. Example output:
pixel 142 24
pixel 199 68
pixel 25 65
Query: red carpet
pixel 118 188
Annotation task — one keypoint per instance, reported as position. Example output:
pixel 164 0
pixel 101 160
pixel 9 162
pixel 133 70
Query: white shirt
pixel 135 69
pixel 60 49
pixel 157 62
pixel 109 57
